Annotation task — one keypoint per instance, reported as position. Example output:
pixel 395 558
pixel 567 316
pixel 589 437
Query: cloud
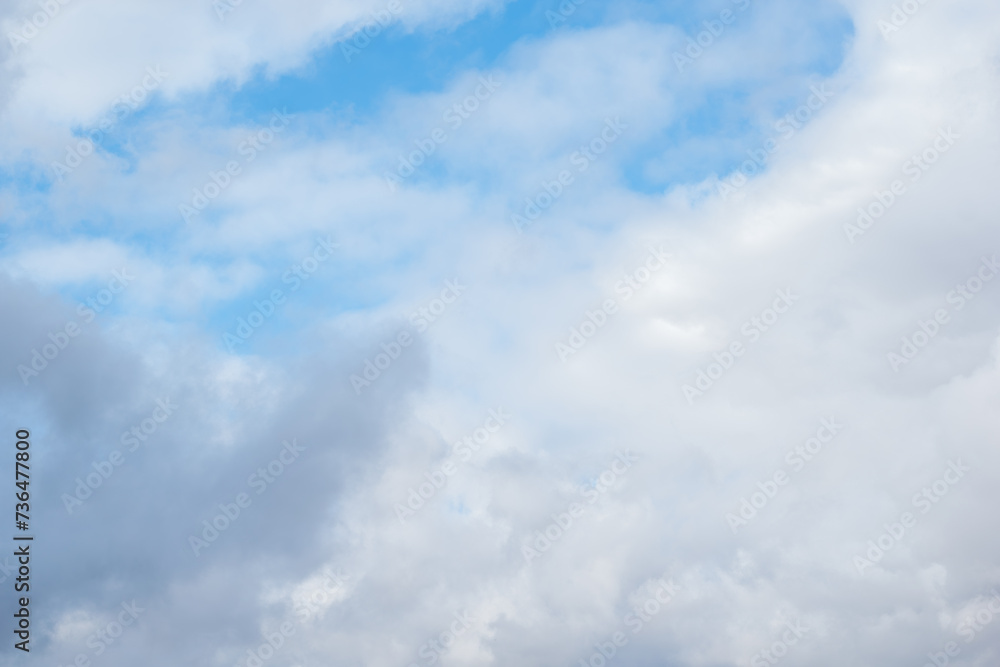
pixel 713 376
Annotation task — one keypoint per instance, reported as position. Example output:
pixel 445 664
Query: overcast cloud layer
pixel 503 333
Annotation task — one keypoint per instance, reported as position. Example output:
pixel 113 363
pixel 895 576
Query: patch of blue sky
pixel 24 177
pixel 458 506
pixel 714 135
pixel 353 88
pixel 337 286
pixel 355 85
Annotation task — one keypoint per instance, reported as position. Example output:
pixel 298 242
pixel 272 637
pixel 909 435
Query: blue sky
pixel 559 346
pixel 400 62
pixel 719 124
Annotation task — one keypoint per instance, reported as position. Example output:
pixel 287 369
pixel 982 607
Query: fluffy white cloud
pixel 729 494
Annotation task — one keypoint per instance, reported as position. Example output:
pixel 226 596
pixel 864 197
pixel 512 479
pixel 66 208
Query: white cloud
pixel 666 517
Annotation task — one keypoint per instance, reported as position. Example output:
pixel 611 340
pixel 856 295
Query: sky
pixel 402 333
